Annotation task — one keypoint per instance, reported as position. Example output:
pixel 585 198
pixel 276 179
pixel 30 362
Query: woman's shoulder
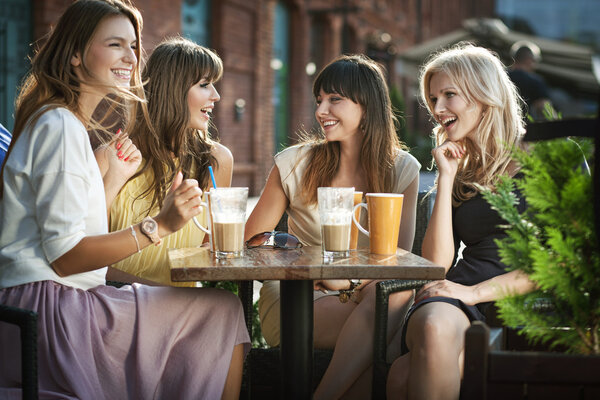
pixel 404 157
pixel 293 154
pixel 221 153
pixel 406 162
pixel 57 124
pixel 295 150
pixel 54 114
pixel 289 159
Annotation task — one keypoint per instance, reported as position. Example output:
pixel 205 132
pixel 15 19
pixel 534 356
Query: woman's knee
pixel 224 299
pixel 433 326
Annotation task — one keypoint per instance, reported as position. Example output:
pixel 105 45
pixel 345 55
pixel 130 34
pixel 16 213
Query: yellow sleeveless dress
pixel 152 262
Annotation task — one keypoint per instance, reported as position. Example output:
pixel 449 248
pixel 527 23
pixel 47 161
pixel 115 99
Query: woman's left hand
pixel 446 288
pixel 118 160
pixel 331 284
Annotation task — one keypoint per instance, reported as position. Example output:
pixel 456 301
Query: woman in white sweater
pixel 96 341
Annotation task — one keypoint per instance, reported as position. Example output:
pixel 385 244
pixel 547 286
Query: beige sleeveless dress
pixel 303 222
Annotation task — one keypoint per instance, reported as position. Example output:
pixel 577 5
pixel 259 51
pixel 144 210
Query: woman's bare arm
pixel 224 171
pixel 270 207
pixel 93 252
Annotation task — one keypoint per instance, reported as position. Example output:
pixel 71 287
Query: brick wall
pixel 242 33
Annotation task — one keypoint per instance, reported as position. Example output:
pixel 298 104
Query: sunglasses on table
pixel 274 239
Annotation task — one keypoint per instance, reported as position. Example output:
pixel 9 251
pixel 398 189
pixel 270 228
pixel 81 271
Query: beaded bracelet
pixel 137 243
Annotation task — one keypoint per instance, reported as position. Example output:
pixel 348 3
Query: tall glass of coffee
pixel 335 214
pixel 227 209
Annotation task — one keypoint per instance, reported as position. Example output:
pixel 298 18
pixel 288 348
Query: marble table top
pixel 306 263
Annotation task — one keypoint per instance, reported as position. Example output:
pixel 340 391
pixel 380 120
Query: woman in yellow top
pixel 178 82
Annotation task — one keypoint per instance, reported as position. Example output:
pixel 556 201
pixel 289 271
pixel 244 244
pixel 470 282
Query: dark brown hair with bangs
pixel 174 66
pixel 361 80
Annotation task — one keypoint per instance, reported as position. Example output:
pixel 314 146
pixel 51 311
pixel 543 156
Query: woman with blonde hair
pixel 179 79
pixel 97 341
pixel 478 121
pixel 357 146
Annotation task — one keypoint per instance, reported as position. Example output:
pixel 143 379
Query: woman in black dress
pixel 475 106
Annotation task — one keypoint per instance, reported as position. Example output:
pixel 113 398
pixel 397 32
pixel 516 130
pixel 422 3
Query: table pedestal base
pixel 296 339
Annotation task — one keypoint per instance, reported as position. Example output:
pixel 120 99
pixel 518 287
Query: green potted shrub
pixel 555 243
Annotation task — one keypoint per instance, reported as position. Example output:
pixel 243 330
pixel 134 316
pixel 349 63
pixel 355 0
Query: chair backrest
pixel 282 225
pixel 424 208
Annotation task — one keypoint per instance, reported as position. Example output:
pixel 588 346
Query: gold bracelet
pixel 349 294
pixel 137 243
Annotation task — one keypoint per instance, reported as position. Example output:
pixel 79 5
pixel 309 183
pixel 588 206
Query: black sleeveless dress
pixel 475 224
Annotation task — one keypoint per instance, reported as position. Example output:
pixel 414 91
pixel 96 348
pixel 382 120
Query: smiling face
pixel 339 116
pixel 110 57
pixel 201 99
pixel 458 118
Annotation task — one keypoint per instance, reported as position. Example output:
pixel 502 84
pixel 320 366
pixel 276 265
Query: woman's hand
pixel 183 201
pixel 337 284
pixel 446 288
pixel 331 284
pixel 446 157
pixel 118 160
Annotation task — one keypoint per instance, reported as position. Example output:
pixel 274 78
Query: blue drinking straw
pixel 212 176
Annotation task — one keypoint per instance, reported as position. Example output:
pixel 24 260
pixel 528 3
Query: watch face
pixel 149 226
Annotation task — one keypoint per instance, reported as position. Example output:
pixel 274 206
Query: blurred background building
pixel 272 50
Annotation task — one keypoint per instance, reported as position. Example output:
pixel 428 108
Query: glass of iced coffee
pixel 335 214
pixel 227 218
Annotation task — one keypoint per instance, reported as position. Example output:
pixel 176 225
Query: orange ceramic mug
pixel 384 211
pixel 353 229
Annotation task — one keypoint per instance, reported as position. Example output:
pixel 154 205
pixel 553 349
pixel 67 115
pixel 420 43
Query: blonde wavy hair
pixel 361 80
pixel 52 81
pixel 480 77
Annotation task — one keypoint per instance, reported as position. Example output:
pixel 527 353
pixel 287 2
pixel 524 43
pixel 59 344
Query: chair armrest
pixel 474 381
pixel 380 364
pixel 26 320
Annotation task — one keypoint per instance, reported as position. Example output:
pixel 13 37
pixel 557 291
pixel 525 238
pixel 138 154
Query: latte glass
pixel 335 214
pixel 226 208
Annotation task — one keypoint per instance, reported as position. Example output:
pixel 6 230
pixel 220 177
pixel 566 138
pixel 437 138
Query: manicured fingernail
pixel 119 131
pixel 120 154
pixel 119 145
pixel 126 159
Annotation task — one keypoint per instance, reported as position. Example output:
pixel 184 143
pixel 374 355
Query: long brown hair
pixel 480 77
pixel 172 69
pixel 52 81
pixel 361 80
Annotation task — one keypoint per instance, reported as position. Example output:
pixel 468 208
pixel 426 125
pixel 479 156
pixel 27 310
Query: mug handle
pixel 360 228
pixel 198 224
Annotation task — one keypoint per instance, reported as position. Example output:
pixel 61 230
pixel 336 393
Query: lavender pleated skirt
pixel 137 342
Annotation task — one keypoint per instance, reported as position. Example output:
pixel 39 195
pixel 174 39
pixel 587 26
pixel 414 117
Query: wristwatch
pixel 149 227
pixel 348 294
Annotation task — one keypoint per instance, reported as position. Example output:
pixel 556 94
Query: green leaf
pixel 555 243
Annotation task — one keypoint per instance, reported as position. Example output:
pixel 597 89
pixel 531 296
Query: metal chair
pixel 26 320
